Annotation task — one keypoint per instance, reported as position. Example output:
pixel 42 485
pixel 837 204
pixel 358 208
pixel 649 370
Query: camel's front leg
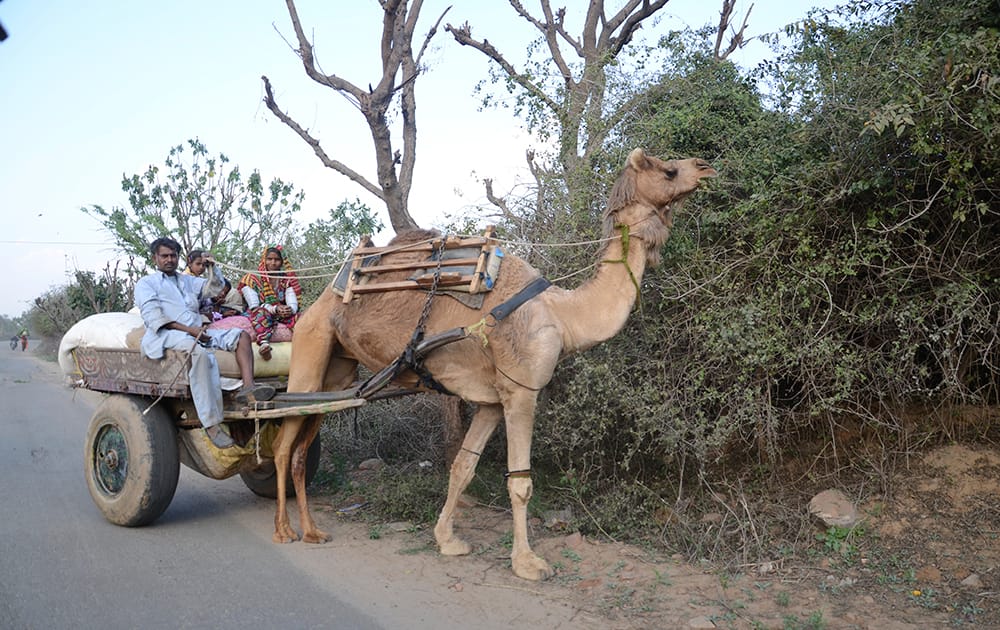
pixel 520 412
pixel 310 533
pixel 484 422
pixel 282 446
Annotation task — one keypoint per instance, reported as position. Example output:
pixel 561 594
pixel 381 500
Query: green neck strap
pixel 624 261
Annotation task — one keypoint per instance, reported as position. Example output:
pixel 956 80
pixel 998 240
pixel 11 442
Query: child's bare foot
pixel 265 351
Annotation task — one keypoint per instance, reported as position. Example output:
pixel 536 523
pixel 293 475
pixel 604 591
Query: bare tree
pixel 400 69
pixel 577 103
pixel 578 106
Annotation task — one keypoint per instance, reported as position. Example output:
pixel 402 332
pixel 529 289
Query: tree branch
pixel 630 23
pixel 430 34
pixel 736 41
pixel 336 165
pixel 463 35
pixel 305 53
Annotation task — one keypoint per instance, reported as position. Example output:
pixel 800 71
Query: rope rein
pixel 335 266
pixel 624 261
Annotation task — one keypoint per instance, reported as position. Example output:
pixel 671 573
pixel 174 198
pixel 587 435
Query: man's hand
pixel 283 311
pixel 208 258
pixel 198 332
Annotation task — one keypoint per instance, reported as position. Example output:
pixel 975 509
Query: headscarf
pixel 258 281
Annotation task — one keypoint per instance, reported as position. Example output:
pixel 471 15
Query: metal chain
pixel 434 285
pixel 407 356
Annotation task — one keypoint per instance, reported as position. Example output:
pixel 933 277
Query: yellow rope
pixel 624 261
pixel 477 329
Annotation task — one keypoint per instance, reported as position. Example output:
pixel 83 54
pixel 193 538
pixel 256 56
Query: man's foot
pixel 258 392
pixel 265 351
pixel 219 437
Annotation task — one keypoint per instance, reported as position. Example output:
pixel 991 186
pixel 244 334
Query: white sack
pixel 103 330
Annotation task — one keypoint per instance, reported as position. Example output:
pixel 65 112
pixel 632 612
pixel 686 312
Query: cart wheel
pixel 263 481
pixel 131 461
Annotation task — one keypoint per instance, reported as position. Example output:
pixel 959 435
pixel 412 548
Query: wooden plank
pixel 443 278
pixel 429 264
pixel 375 287
pixel 355 265
pixel 298 410
pixel 134 387
pixel 126 370
pixel 450 243
pixel 477 276
pixel 484 253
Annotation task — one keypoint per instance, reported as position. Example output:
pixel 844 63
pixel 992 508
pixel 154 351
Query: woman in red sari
pixel 271 295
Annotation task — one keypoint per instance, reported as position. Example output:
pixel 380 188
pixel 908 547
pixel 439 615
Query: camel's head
pixel 646 194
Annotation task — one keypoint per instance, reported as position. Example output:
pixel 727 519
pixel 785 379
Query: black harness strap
pixel 532 289
pixel 413 355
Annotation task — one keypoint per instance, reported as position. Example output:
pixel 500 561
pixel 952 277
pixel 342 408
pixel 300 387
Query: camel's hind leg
pixel 283 442
pixel 312 368
pixel 310 533
pixel 484 422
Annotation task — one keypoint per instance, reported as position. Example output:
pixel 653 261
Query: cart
pixel 147 426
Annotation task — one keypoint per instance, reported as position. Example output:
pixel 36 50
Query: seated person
pixel 168 302
pixel 227 303
pixel 272 296
pixel 195 263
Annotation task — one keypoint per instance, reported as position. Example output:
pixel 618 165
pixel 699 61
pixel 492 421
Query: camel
pixel 501 373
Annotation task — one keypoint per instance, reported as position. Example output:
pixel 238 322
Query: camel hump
pixel 415 235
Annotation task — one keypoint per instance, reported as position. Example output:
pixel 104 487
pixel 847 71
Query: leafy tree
pixel 204 203
pixel 54 312
pixel 840 278
pixel 326 243
pixel 10 326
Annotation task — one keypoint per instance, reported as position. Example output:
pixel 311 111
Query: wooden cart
pixel 147 426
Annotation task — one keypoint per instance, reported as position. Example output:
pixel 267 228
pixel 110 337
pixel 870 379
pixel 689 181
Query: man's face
pixel 165 259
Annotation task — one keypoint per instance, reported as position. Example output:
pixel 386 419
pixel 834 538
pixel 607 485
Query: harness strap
pixel 533 288
pixel 414 353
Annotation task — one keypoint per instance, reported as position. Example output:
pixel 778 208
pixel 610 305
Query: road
pixel 208 562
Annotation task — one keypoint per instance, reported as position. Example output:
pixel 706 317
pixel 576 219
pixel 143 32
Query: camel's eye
pixel 671 173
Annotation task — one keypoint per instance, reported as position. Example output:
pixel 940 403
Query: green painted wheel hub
pixel 110 459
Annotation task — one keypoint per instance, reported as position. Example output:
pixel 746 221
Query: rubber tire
pixel 137 493
pixel 264 480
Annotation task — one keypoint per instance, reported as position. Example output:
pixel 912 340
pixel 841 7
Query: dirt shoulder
pixel 928 557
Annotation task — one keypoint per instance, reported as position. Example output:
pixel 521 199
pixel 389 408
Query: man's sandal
pixel 258 392
pixel 219 437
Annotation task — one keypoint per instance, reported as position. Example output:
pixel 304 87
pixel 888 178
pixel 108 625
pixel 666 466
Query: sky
pixel 97 90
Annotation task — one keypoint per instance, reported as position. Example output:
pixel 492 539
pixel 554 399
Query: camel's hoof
pixel 531 567
pixel 316 537
pixel 455 547
pixel 285 535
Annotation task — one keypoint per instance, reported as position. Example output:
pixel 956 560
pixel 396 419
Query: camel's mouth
pixel 705 169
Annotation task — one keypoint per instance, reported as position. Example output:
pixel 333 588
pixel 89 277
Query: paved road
pixel 64 566
pixel 208 562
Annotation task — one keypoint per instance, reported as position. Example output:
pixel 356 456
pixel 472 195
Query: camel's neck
pixel 599 308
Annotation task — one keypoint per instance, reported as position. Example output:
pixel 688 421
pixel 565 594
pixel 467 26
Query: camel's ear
pixel 638 160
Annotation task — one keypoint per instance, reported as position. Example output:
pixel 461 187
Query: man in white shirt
pixel 168 302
